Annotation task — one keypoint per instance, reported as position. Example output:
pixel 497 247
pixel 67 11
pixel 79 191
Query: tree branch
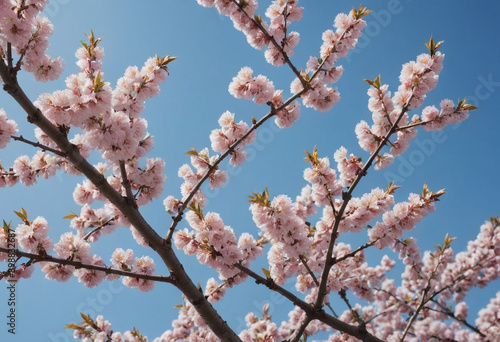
pixel 177 218
pixel 347 196
pixel 301 329
pixel 77 264
pixel 37 144
pixel 312 311
pixel 164 248
pixel 449 313
pixel 275 43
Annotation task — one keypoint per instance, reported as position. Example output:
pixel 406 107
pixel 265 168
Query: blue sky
pixel 462 158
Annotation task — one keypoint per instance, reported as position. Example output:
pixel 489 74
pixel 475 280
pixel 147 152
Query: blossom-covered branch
pixel 34 258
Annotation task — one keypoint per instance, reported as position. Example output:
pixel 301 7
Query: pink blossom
pixel 33 237
pixel 73 247
pixel 57 272
pixel 384 160
pixel 259 88
pixel 7 128
pixel 91 278
pixel 367 140
pixel 349 168
pixel 214 291
pixel 287 116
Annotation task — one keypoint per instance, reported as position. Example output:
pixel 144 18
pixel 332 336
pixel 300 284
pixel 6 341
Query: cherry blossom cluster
pixel 101 330
pixel 296 316
pixel 360 211
pixel 259 33
pixel 259 88
pixel 124 260
pixel 7 128
pixel 479 264
pixel 487 322
pixel 24 31
pixel 287 116
pixel 222 140
pixel 287 231
pixel 282 14
pixel 434 119
pixel 325 185
pixel 430 282
pixel 403 216
pixel 27 171
pixel 91 223
pixel 31 236
pixel 215 244
pixel 335 45
pixel 349 168
pixel 109 118
pixel 390 114
pixel 146 182
pixel 69 247
pixel 263 329
pixel 304 203
pixel 229 133
pixel 189 326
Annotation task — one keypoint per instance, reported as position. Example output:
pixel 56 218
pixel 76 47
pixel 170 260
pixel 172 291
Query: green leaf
pixel 312 158
pixel 87 319
pixel 7 227
pixel 432 46
pixel 197 209
pixel 266 273
pixel 70 216
pixel 192 152
pixel 23 215
pixel 72 326
pixel 391 188
pixel 136 333
pixel 447 241
pixel 360 12
pixel 375 83
pixel 432 196
pixel 462 105
pixel 495 221
pixel 262 199
pixel 164 61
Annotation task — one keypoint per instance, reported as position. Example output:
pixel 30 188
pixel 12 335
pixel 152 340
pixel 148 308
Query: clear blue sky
pixel 464 159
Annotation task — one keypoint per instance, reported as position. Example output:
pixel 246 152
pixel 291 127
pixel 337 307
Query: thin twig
pixel 415 124
pixel 313 276
pixel 37 144
pixel 417 312
pixel 354 252
pixel 342 293
pixel 95 230
pixel 449 313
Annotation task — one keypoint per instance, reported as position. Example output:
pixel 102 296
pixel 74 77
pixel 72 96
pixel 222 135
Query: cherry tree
pixel 90 128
